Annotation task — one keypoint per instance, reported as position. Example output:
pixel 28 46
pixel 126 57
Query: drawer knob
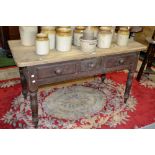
pixel 121 61
pixel 58 71
pixel 33 81
pixel 92 65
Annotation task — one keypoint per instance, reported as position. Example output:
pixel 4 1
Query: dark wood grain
pixel 23 83
pixel 34 107
pixel 149 57
pixel 148 60
pixel 128 85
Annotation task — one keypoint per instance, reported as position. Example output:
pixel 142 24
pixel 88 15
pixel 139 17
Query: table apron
pixel 59 72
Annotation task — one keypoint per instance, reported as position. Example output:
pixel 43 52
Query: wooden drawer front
pixel 91 64
pixel 56 70
pixel 114 61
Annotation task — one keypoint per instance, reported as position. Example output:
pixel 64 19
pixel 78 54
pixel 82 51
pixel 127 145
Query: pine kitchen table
pixel 57 66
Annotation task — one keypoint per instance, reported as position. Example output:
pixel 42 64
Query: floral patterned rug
pixel 91 104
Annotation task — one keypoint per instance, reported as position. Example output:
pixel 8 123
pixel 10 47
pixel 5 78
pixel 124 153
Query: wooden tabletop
pixel 26 56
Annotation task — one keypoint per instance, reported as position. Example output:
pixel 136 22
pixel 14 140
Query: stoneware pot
pixel 28 35
pixel 63 39
pixel 88 45
pixel 42 44
pixel 50 31
pixel 123 36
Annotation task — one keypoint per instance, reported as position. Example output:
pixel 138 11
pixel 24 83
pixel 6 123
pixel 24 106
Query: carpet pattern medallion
pixel 74 102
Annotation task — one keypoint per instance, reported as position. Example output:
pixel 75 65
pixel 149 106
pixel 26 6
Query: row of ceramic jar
pixel 104 36
pixel 61 37
pixel 51 38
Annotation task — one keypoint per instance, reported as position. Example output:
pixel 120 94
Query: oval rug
pixel 74 102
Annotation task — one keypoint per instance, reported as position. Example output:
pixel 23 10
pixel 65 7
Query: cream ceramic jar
pixel 123 36
pixel 78 33
pixel 50 31
pixel 95 30
pixel 28 35
pixel 42 44
pixel 104 37
pixel 63 39
pixel 88 34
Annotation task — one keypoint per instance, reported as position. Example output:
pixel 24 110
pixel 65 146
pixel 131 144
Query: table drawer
pixel 91 64
pixel 56 70
pixel 120 60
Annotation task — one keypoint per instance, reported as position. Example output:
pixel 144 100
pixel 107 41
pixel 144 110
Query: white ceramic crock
pixel 50 31
pixel 42 44
pixel 96 30
pixel 78 33
pixel 77 37
pixel 28 35
pixel 63 43
pixel 122 40
pixel 104 40
pixel 51 37
pixel 104 37
pixel 123 37
pixel 63 39
pixel 88 45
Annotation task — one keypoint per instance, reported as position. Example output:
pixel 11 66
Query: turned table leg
pixel 151 56
pixel 142 69
pixel 33 89
pixel 34 108
pixel 23 83
pixel 128 85
pixel 144 63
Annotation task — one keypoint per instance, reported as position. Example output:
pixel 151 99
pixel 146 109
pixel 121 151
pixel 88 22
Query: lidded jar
pixel 88 41
pixel 78 33
pixel 88 34
pixel 104 37
pixel 95 30
pixel 50 31
pixel 42 44
pixel 123 36
pixel 63 39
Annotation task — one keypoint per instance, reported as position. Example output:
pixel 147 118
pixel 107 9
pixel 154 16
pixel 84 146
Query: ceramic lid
pixel 80 27
pixel 105 28
pixel 42 36
pixel 48 28
pixel 63 29
pixel 124 28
